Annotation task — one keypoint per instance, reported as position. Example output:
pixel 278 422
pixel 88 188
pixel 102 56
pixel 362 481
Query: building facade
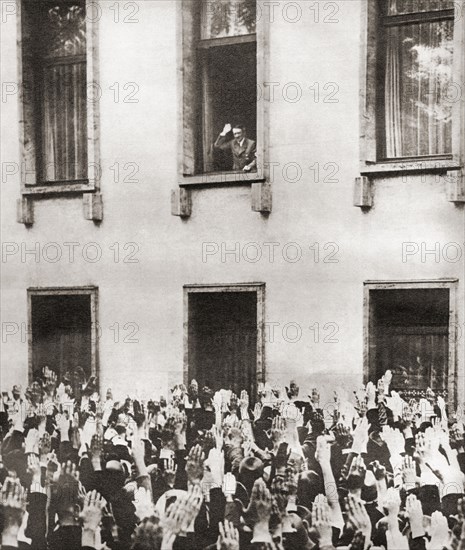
pixel 131 248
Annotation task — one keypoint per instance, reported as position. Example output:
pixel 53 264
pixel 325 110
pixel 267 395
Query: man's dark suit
pixel 243 155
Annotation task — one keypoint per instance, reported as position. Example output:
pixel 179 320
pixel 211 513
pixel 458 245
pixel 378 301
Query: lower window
pixel 409 333
pixel 224 337
pixel 62 332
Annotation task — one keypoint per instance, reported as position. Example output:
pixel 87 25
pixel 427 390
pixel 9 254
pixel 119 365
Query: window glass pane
pixel 222 18
pixel 64 122
pixel 397 7
pixel 63 30
pixel 418 97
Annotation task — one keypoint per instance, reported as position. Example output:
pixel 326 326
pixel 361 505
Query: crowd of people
pixel 213 470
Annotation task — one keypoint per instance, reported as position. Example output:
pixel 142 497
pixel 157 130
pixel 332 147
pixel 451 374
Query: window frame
pixel 370 162
pixel 453 373
pixel 92 292
pixel 28 126
pixel 189 91
pixel 259 289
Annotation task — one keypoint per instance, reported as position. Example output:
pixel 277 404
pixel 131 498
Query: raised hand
pixel 143 503
pixel 33 467
pixel 360 436
pixel 229 486
pixel 244 400
pixel 14 505
pixel 92 510
pixel 315 398
pixel 182 512
pixel 259 511
pixel 409 473
pixel 217 433
pixel 387 379
pixel 215 464
pixel 169 471
pixel 343 436
pixel 278 430
pixel 280 491
pixel 257 412
pixel 323 451
pixel 32 442
pixel 414 511
pixel 391 504
pixel 379 471
pixel 69 474
pixel 50 381
pixel 396 404
pixel 45 446
pixel 439 532
pixel 194 465
pixel 96 450
pixel 229 536
pixel 281 458
pixel 321 521
pixel 358 517
pixel 394 440
pixel 456 437
pixel 357 473
pixel 91 517
pixel 227 128
pixel 360 397
pixel 63 426
pixel 53 467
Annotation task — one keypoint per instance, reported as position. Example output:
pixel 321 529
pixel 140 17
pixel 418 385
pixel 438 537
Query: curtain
pixel 417 74
pixel 65 125
pixel 62 47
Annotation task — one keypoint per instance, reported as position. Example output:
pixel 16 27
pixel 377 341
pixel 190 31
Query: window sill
pixel 412 165
pixel 61 188
pixel 215 178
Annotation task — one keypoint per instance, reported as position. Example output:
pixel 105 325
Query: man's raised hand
pixel 227 128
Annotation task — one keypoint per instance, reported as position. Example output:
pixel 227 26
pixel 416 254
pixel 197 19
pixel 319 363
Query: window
pixel 410 102
pixel 224 336
pixel 62 333
pixel 416 62
pixel 410 330
pixel 59 115
pixel 222 63
pixel 228 67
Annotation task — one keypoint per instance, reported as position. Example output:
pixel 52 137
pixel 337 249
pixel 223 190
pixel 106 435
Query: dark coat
pixel 243 155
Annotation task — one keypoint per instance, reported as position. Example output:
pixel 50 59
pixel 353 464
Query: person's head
pixel 239 131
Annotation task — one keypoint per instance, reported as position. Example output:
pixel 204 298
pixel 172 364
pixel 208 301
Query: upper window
pixel 414 112
pixel 228 80
pixel 54 72
pixel 221 122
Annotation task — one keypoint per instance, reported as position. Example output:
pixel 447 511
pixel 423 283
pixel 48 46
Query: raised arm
pixel 221 141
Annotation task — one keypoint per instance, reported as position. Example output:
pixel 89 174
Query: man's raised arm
pixel 221 142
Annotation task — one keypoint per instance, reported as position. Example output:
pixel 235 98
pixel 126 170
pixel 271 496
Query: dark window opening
pixel 222 340
pixel 61 334
pixel 229 87
pixel 409 335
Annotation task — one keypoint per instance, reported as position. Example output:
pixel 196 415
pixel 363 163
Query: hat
pixel 114 465
pixel 251 464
